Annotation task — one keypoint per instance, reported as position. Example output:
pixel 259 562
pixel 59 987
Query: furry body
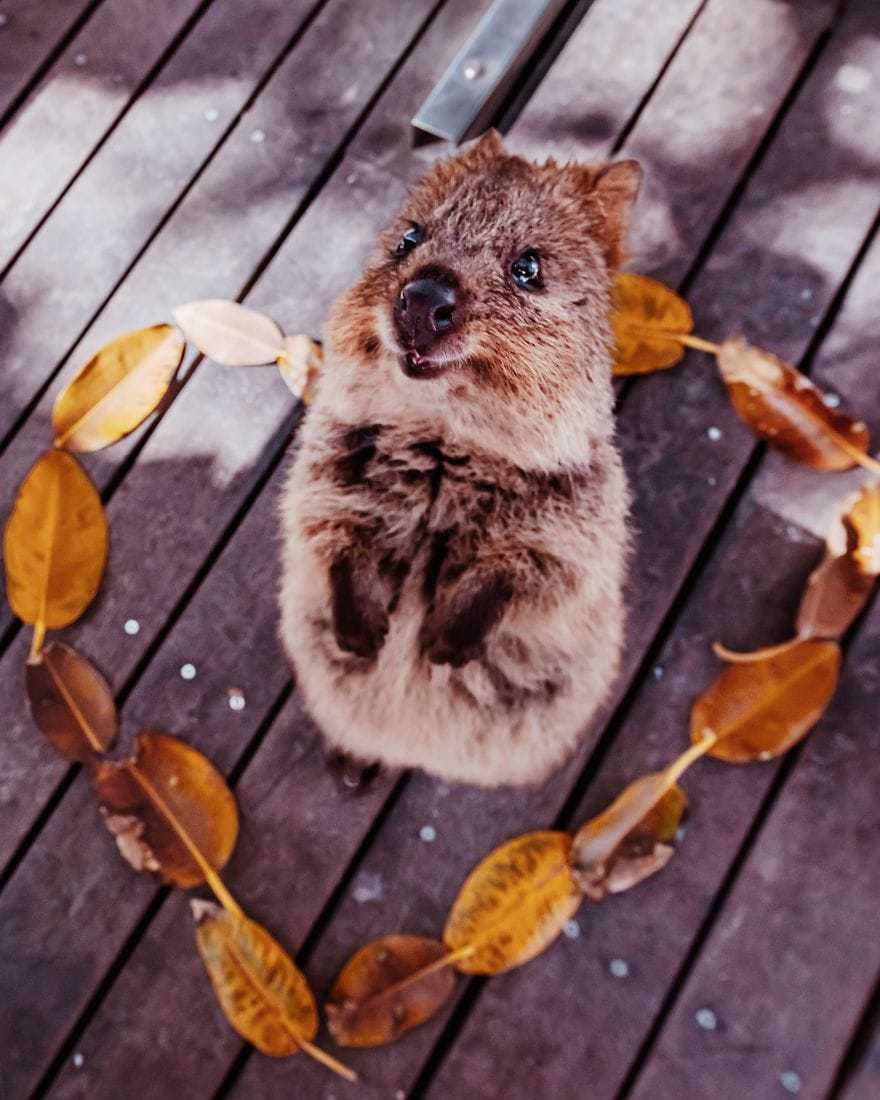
pixel 454 547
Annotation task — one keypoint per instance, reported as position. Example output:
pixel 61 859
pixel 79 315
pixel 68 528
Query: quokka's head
pixel 487 301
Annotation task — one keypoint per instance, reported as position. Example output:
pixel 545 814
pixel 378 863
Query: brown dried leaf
pixel 782 406
pixel 262 992
pixel 388 987
pixel 55 544
pixel 188 814
pixel 117 389
pixel 230 333
pixel 648 317
pixel 760 709
pixel 300 364
pixel 839 587
pixel 631 839
pixel 128 832
pixel 71 703
pixel 513 904
pixel 835 594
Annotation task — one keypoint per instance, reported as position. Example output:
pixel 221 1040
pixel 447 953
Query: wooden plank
pixel 234 614
pixel 29 33
pixel 793 956
pixel 75 103
pixel 87 244
pixel 297 272
pixel 196 472
pixel 468 823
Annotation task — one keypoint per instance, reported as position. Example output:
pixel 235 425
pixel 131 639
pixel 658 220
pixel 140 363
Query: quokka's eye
pixel 526 270
pixel 413 236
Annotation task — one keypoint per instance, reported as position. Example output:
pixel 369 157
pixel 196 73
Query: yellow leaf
pixel 55 544
pixel 230 333
pixel 300 363
pixel 514 904
pixel 117 389
pixel 171 811
pixel 262 992
pixel 71 703
pixel 388 987
pixel 760 709
pixel 647 321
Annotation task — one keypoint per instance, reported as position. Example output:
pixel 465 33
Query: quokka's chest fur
pixel 429 504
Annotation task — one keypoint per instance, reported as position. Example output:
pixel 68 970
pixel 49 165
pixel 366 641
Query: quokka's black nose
pixel 426 310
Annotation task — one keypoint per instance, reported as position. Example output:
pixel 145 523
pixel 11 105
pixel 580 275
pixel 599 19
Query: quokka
pixel 455 523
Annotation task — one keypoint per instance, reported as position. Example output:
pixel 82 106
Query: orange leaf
pixel 170 811
pixel 835 594
pixel 783 407
pixel 71 703
pixel 55 544
pixel 647 321
pixel 839 586
pixel 388 987
pixel 759 710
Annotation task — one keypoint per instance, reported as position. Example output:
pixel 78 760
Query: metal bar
pixel 466 97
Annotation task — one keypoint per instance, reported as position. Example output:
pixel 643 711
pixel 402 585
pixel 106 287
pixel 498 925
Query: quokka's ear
pixel 613 190
pixel 486 147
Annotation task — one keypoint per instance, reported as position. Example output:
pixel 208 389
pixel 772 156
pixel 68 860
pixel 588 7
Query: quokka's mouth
pixel 417 366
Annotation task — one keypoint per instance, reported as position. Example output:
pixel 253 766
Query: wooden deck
pixel 157 151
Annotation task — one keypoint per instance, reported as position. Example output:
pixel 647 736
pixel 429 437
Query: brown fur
pixel 455 548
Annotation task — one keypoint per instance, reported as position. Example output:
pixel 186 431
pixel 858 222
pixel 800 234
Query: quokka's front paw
pixel 360 617
pixel 455 629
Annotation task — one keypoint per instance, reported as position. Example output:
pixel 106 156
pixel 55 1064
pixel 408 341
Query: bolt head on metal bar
pixel 483 71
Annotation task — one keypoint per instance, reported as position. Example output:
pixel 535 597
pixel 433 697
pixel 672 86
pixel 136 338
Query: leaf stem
pixel 328 1060
pixel 734 658
pixel 211 877
pixel 866 460
pixel 37 640
pixel 698 343
pixel 449 959
pixel 72 705
pixel 678 767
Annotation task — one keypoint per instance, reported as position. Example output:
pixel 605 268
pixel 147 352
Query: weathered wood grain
pixel 91 238
pixel 196 470
pixel 75 103
pixel 28 34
